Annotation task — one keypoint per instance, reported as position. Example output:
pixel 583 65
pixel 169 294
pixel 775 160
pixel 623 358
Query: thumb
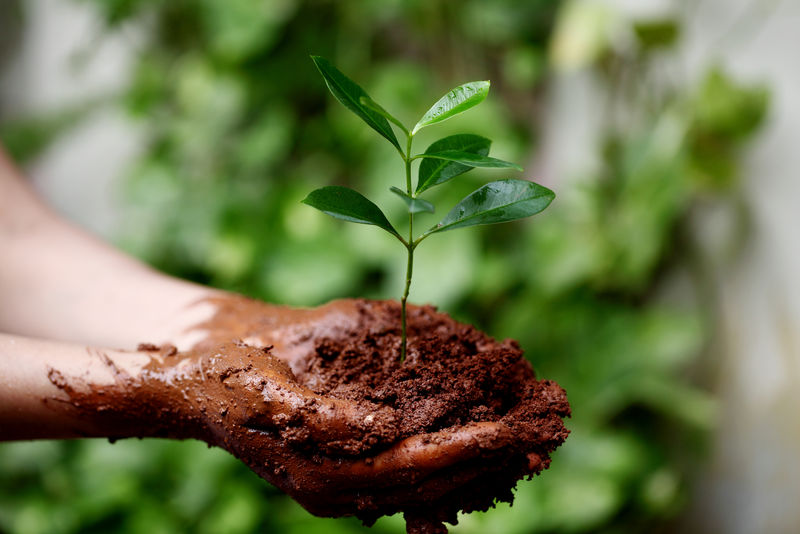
pixel 332 426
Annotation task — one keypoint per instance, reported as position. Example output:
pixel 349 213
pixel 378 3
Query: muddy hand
pixel 307 444
pixel 331 455
pixel 235 390
pixel 291 332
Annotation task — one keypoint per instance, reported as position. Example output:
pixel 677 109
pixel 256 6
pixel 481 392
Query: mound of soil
pixel 453 375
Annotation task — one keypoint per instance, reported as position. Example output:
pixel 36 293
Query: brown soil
pixel 453 375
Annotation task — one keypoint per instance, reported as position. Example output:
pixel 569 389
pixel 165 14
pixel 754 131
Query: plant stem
pixel 410 249
pixel 409 268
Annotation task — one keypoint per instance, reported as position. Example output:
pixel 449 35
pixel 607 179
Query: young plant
pixel 495 202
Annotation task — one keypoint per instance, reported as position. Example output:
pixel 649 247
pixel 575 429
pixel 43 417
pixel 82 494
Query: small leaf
pixel 456 101
pixel 496 202
pixel 470 159
pixel 349 205
pixel 415 205
pixel 435 171
pixel 349 93
pixel 377 108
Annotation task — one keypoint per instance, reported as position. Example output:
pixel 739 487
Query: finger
pixel 417 457
pixel 414 475
pixel 333 426
pixel 377 501
pixel 341 427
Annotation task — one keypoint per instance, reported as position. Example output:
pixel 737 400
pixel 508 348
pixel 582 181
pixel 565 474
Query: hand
pixel 231 390
pixel 329 455
pixel 410 474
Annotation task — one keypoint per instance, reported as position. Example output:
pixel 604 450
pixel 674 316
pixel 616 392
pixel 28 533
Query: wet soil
pixel 453 375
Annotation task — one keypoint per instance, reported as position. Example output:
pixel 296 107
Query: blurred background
pixel 660 288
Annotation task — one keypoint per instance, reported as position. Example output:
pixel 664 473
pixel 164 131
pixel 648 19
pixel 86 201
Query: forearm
pixel 58 282
pixel 34 403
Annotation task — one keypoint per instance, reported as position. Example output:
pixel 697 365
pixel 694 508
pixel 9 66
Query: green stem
pixel 410 249
pixel 409 269
pixel 408 164
pixel 419 239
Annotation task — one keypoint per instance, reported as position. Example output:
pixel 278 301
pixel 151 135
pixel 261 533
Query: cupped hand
pixel 334 457
pixel 236 389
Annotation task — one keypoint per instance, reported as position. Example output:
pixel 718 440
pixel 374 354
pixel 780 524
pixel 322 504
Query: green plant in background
pixel 495 202
pixel 238 135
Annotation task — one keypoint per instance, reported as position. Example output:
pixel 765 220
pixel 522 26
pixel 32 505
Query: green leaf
pixel 456 101
pixel 349 205
pixel 434 171
pixel 653 34
pixel 470 159
pixel 415 205
pixel 496 202
pixel 350 93
pixel 377 108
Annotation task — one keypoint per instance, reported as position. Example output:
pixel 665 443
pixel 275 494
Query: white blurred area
pixel 64 58
pixel 752 482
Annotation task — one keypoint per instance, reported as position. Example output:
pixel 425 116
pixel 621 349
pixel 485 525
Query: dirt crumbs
pixel 454 375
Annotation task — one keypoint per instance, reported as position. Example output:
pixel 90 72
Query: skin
pixel 217 368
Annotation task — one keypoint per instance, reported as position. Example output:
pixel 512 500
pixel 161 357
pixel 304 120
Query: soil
pixel 453 375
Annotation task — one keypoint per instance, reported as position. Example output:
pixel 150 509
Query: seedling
pixel 495 202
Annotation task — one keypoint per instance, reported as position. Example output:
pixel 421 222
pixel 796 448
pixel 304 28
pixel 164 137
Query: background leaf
pixel 496 202
pixel 415 205
pixel 457 101
pixel 349 205
pixel 349 93
pixel 436 171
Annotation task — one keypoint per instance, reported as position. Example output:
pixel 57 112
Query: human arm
pixel 31 404
pixel 58 282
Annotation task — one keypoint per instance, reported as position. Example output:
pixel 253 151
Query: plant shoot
pixel 495 202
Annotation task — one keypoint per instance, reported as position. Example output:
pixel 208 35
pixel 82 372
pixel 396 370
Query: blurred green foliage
pixel 241 129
